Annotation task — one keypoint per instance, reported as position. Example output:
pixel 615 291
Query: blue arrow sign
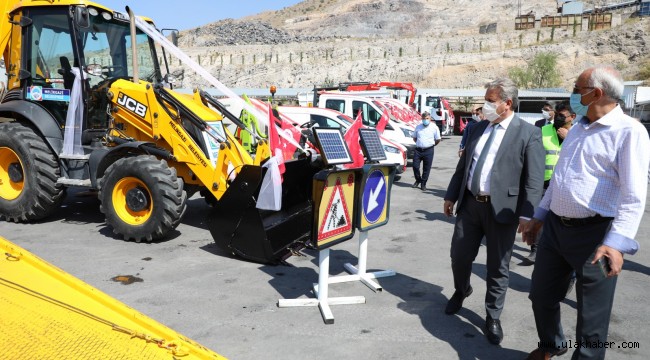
pixel 374 196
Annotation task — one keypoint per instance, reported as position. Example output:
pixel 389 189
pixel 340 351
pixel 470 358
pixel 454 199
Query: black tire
pixel 151 180
pixel 33 194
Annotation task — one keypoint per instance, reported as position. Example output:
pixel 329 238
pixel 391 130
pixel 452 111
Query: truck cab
pixel 440 110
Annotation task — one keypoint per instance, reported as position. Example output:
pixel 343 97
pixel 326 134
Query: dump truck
pixel 87 106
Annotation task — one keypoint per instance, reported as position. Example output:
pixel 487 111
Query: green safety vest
pixel 552 146
pixel 247 139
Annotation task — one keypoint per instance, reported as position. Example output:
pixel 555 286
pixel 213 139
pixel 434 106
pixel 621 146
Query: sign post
pixel 373 199
pixel 333 222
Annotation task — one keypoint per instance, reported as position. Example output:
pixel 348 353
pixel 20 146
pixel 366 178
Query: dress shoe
pixel 541 354
pixel 456 302
pixel 416 184
pixel 530 259
pixel 423 187
pixel 493 330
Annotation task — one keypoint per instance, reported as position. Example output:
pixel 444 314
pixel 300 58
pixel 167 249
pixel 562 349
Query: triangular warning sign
pixel 336 219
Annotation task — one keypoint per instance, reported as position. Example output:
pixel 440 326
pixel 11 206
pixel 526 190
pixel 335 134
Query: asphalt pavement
pixel 230 305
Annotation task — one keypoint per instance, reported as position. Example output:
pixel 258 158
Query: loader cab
pixel 95 43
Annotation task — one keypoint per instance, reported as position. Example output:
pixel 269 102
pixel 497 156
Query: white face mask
pixel 490 111
pixel 476 118
pixel 546 115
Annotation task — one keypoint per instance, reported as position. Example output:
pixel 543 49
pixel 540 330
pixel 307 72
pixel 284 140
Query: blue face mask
pixel 576 104
pixel 426 122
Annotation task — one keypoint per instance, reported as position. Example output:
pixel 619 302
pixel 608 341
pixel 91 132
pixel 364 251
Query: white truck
pixel 440 110
pixel 371 113
pixel 309 117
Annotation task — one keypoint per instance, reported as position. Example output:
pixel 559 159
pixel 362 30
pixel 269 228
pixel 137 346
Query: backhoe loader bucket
pixel 238 226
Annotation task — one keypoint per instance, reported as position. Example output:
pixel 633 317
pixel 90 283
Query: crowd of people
pixel 574 185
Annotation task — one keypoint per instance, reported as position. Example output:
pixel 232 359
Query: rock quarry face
pixel 430 43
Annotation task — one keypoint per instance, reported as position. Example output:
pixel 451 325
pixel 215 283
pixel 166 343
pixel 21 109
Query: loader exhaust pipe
pixel 136 78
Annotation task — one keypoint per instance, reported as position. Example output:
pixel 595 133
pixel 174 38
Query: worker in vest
pixel 247 139
pixel 552 136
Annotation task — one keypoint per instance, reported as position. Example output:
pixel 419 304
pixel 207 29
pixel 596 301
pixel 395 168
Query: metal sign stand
pixel 360 274
pixel 321 291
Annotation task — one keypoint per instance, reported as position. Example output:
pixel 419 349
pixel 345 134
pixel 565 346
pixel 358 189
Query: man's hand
pixel 460 152
pixel 614 256
pixel 448 207
pixel 530 230
pixel 562 132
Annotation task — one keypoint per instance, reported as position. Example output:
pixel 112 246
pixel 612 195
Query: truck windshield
pixel 433 101
pixel 107 45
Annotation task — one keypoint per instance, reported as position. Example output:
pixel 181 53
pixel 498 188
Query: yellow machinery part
pixel 9 189
pixel 49 314
pixel 120 198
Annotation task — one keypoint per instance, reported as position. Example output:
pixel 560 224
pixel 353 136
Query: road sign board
pixel 334 209
pixel 375 197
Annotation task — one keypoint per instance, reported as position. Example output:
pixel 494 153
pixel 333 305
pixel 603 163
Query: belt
pixel 573 222
pixel 424 149
pixel 479 198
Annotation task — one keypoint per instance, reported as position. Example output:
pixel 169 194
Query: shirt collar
pixel 506 122
pixel 608 120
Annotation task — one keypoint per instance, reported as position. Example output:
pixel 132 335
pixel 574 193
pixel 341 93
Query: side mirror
pixel 81 17
pixel 173 33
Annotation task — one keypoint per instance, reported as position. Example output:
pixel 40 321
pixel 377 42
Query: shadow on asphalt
pixel 426 301
pixel 636 267
pixel 438 216
pixel 418 297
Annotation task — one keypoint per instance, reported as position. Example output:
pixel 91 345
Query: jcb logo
pixel 130 103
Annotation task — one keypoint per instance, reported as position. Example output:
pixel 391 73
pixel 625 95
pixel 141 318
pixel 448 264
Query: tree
pixel 465 102
pixel 541 72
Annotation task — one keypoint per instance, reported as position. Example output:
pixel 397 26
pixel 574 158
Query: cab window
pixel 369 116
pixel 338 105
pixel 323 121
pixel 433 101
pixel 50 49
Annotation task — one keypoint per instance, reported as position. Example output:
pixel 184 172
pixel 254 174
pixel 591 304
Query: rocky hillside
pixel 433 43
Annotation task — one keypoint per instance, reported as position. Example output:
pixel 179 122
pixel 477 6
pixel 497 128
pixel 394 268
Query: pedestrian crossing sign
pixel 334 207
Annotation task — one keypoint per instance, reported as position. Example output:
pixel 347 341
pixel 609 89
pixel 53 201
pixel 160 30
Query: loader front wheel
pixel 142 198
pixel 28 174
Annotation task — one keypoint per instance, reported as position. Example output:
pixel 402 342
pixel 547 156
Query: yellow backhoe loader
pixel 87 105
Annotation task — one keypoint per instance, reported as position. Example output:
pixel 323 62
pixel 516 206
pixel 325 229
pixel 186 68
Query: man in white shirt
pixel 590 214
pixel 426 136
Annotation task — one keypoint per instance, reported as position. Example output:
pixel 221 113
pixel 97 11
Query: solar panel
pixel 332 147
pixel 371 145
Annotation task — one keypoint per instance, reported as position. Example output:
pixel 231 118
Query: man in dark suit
pixel 548 113
pixel 497 184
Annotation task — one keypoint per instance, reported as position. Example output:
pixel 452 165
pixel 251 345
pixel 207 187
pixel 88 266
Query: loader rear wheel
pixel 142 198
pixel 28 174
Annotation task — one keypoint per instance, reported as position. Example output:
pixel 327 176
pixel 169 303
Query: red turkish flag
pixel 274 141
pixel 383 121
pixel 352 139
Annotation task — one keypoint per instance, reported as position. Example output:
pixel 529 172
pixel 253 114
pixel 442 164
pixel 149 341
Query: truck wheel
pixel 142 198
pixel 28 174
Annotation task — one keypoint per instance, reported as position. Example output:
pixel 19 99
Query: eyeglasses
pixel 576 89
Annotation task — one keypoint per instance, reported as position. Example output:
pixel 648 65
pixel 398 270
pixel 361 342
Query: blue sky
pixel 189 14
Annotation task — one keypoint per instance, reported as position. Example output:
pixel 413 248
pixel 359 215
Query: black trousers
pixel 561 251
pixel 426 157
pixel 474 221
